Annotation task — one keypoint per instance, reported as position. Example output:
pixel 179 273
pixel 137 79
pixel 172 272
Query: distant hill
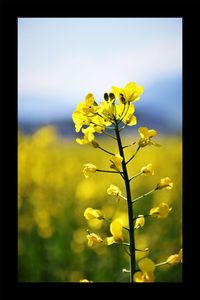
pixel 160 108
pixel 65 127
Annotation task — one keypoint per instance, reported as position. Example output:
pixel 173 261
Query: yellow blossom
pixel 160 211
pixel 125 113
pixel 110 240
pixel 84 280
pixel 91 213
pixel 143 277
pixel 83 112
pixel 116 231
pixel 116 161
pixel 131 92
pixel 107 109
pixel 93 238
pixel 130 120
pixel 89 100
pixel 99 124
pixel 147 170
pixel 89 105
pixel 146 135
pixel 175 258
pixel 88 168
pixel 140 221
pixel 165 183
pixel 80 120
pixel 114 190
pixel 88 136
pixel 146 265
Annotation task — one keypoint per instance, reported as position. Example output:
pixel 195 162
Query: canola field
pixel 53 195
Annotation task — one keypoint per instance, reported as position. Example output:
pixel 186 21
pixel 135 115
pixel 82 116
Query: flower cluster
pixel 91 118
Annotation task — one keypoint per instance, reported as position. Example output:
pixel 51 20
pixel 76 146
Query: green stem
pixel 122 197
pixel 161 264
pixel 135 175
pixel 105 150
pixel 110 135
pixel 126 244
pixel 126 251
pixel 129 203
pixel 123 127
pixel 125 228
pixel 129 145
pixel 133 155
pixel 123 115
pixel 144 195
pixel 140 250
pixel 107 171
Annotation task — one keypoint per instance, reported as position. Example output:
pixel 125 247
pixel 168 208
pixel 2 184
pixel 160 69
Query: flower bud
pixel 106 96
pixel 165 183
pixel 111 96
pixel 147 170
pixel 88 168
pixel 91 213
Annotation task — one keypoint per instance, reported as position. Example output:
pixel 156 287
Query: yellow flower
pixel 88 106
pixel 99 124
pixel 88 136
pixel 88 168
pixel 84 280
pixel 131 92
pixel 139 222
pixel 143 277
pixel 175 258
pixel 130 120
pixel 146 135
pixel 146 265
pixel 125 113
pixel 116 161
pixel 93 238
pixel 91 213
pixel 160 211
pixel 165 183
pixel 80 120
pixel 114 190
pixel 83 112
pixel 147 170
pixel 116 231
pixel 89 100
pixel 107 109
pixel 110 240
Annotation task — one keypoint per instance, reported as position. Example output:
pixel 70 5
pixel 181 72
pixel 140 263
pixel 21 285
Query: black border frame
pixel 11 10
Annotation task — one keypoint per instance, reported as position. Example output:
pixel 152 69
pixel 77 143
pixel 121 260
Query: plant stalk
pixel 129 204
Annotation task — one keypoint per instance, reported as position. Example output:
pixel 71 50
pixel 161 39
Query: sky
pixel 60 60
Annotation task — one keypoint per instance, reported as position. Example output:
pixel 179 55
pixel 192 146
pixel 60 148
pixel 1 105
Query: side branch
pixel 133 155
pixel 108 171
pixel 144 195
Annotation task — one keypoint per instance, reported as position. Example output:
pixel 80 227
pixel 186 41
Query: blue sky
pixel 60 60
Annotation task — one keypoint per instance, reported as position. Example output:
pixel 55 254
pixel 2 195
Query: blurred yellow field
pixel 53 195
